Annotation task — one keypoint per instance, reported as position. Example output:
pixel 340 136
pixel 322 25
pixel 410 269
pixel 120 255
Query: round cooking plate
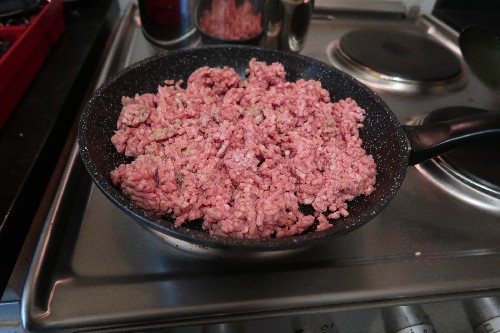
pixel 400 55
pixel 397 61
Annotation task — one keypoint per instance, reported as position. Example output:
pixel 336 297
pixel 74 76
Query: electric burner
pixel 476 163
pixel 396 60
pixel 469 173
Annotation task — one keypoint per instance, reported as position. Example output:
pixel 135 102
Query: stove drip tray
pixel 396 60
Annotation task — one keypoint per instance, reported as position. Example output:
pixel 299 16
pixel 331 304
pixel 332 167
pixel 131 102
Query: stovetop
pixel 95 267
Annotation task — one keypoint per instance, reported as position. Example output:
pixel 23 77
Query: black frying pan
pixel 392 145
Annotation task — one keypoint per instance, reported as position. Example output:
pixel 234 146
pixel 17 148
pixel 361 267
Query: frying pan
pixel 393 146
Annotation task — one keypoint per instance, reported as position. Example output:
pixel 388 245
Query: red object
pixel 164 12
pixel 30 47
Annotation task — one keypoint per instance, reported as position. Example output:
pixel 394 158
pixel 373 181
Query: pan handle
pixel 431 140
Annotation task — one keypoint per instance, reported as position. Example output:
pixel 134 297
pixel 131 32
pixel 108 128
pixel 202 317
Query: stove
pixel 427 263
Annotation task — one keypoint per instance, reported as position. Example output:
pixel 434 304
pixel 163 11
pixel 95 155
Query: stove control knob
pixel 407 319
pixel 484 314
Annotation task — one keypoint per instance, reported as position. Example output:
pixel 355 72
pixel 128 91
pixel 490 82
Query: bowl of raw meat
pixel 230 21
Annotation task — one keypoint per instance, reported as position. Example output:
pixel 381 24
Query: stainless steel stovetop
pixel 435 245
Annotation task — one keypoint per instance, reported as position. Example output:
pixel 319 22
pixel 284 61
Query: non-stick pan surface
pixel 382 135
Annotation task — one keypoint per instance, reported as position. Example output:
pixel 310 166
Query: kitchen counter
pixel 33 139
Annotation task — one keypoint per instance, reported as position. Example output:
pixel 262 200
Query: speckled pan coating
pixel 382 136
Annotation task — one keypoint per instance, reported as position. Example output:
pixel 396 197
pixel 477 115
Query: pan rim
pixel 201 238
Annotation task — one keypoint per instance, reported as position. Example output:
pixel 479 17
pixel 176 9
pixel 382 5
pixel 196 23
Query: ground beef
pixel 226 20
pixel 243 154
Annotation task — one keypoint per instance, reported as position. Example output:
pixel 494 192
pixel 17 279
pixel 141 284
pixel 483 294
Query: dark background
pixel 463 13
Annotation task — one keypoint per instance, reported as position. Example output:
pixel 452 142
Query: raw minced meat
pixel 242 154
pixel 229 21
